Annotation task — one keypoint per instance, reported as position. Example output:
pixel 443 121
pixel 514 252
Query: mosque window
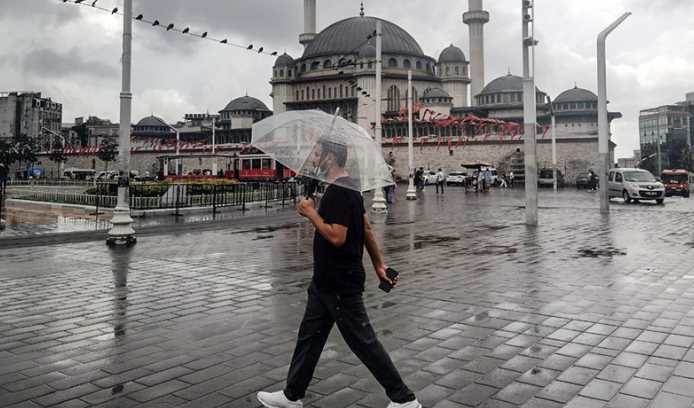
pixel 407 64
pixel 297 95
pixel 392 63
pixel 274 72
pixel 315 65
pixel 457 70
pixel 323 92
pixel 341 62
pixel 303 67
pixel 313 94
pixel 393 98
pixel 302 94
pixel 330 93
pixel 371 65
pixel 361 65
pixel 281 73
pixel 289 73
pixel 340 91
pixel 566 106
pixel 573 106
pixel 448 70
pixel 318 93
pixel 418 65
pixel 326 64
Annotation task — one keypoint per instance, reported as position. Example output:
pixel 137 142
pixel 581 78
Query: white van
pixel 634 184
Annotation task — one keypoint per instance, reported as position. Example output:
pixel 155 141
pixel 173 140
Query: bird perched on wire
pixel 224 41
pixel 94 3
pixel 155 23
pixel 185 30
pixel 250 47
pixel 139 17
pixel 260 50
pixel 78 1
pixel 204 34
pixel 170 27
pixel 115 10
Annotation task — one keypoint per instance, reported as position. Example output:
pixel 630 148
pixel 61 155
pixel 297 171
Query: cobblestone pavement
pixel 584 311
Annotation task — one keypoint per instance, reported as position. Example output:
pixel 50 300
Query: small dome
pixel 506 83
pixel 367 51
pixel 345 36
pixel 452 54
pixel 284 60
pixel 152 121
pixel 245 103
pixel 576 94
pixel 435 93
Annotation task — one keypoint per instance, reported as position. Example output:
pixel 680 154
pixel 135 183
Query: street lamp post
pixel 214 158
pixel 529 112
pixel 603 124
pixel 554 143
pixel 411 191
pixel 659 155
pixel 121 224
pixel 379 202
pixel 61 164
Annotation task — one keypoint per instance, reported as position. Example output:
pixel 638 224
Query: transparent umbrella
pixel 298 139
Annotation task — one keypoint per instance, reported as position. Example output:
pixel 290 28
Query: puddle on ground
pixel 608 252
pixel 426 240
pixel 265 230
pixel 496 250
pixel 260 237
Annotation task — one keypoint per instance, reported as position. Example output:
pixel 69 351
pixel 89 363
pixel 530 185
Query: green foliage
pixel 20 149
pixel 57 155
pixel 108 151
pixel 82 132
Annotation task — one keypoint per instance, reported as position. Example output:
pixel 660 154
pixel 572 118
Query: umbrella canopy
pixel 299 140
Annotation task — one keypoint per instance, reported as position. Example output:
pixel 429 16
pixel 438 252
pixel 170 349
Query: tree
pixel 82 133
pixel 19 149
pixel 108 151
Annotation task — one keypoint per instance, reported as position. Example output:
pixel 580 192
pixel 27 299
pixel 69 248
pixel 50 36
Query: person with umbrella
pixel 342 231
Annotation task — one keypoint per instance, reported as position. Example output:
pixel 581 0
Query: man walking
pixel 335 293
pixel 440 181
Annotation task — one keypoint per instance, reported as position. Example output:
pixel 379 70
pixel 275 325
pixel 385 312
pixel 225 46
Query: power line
pixel 170 27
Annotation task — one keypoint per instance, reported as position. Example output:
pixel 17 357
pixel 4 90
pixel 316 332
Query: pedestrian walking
pixel 593 180
pixel 504 183
pixel 440 181
pixel 419 178
pixel 488 180
pixel 510 179
pixel 335 293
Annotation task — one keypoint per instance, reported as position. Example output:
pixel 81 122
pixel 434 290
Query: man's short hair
pixel 337 149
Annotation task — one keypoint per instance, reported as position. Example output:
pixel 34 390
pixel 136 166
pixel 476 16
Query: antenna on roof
pixel 361 9
pixel 509 70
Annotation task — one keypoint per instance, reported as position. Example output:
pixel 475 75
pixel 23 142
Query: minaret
pixel 309 23
pixel 476 18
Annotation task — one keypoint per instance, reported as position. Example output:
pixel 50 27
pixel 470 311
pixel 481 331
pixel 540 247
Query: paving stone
pixel 616 373
pixel 639 387
pixel 679 385
pixel 668 400
pixel 473 394
pixel 517 393
pixel 559 391
pixel 578 375
pixel 627 401
pixel 600 389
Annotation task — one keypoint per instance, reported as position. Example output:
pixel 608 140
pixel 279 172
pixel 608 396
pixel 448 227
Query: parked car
pixel 456 178
pixel 429 177
pixel 634 184
pixel 546 178
pixel 583 181
pixel 676 182
pixel 107 175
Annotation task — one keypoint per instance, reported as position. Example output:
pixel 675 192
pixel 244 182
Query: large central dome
pixel 348 35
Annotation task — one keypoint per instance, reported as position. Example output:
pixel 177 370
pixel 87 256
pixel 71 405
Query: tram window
pixel 256 164
pixel 246 164
pixel 266 163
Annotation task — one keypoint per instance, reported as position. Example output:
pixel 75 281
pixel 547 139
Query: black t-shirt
pixel 340 269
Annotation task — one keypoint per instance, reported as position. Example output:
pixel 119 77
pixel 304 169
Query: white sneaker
pixel 279 400
pixel 411 404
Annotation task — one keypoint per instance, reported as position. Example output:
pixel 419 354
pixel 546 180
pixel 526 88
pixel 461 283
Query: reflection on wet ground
pixel 584 310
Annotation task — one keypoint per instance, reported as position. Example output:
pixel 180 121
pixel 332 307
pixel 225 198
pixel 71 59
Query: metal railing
pixel 49 182
pixel 174 196
pixel 3 194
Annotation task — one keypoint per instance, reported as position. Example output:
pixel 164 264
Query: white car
pixel 634 184
pixel 430 177
pixel 456 177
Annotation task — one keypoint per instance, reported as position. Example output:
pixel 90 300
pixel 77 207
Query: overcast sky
pixel 72 54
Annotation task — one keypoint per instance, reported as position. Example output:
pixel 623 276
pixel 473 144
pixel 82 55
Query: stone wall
pixel 573 156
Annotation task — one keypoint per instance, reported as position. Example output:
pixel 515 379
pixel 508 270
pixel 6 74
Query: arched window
pixel 407 64
pixel 315 65
pixel 324 94
pixel 448 70
pixel 392 63
pixel 361 65
pixel 341 91
pixel 318 93
pixel 457 70
pixel 303 67
pixel 330 93
pixel 313 94
pixel 415 97
pixel 371 65
pixel 393 99
pixel 297 95
pixel 274 73
pixel 327 64
pixel 428 67
pixel 308 93
pixel 281 73
pixel 302 94
pixel 418 65
pixel 341 63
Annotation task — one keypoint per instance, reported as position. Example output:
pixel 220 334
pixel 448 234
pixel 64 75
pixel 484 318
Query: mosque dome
pixel 245 103
pixel 152 121
pixel 507 83
pixel 367 51
pixel 452 54
pixel 284 60
pixel 576 94
pixel 346 37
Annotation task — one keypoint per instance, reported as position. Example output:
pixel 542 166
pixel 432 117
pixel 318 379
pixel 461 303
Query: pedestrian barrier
pixel 3 193
pixel 173 196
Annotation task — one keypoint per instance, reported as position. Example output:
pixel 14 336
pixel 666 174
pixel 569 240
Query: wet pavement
pixel 584 311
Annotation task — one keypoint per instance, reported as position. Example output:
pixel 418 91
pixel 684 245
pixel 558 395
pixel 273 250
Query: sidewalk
pixel 584 311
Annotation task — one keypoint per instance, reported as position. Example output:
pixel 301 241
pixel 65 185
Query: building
pixel 27 113
pixel 666 130
pixel 630 162
pixel 484 124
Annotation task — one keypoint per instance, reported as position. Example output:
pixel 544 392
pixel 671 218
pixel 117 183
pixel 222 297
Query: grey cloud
pixel 48 63
pixel 49 13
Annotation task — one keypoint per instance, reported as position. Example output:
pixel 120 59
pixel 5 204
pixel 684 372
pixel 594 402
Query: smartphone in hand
pixel 386 286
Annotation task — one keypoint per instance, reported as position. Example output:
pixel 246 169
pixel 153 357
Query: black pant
pixel 439 184
pixel 322 311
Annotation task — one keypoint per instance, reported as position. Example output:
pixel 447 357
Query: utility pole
pixel 603 123
pixel 411 191
pixel 554 143
pixel 121 224
pixel 379 202
pixel 214 158
pixel 529 112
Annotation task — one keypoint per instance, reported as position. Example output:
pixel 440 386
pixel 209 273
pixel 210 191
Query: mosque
pixel 337 70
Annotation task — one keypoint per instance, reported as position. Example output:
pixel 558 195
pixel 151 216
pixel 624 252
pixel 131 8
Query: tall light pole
pixel 529 112
pixel 603 124
pixel 61 164
pixel 214 163
pixel 554 143
pixel 121 224
pixel 411 191
pixel 379 202
pixel 657 149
